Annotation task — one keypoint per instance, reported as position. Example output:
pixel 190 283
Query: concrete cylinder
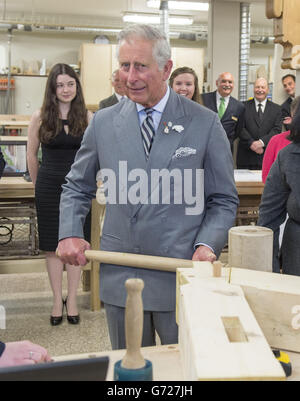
pixel 250 247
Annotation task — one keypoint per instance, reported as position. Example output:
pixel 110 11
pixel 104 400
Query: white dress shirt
pixel 263 106
pixel 227 98
pixel 157 110
pixel 263 103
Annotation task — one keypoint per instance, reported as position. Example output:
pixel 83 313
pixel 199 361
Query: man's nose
pixel 132 74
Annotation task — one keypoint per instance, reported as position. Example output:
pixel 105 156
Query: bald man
pixel 230 110
pixel 120 92
pixel 263 119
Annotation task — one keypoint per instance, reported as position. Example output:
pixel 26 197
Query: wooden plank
pixel 275 301
pixel 165 359
pixel 95 244
pixel 186 276
pixel 219 338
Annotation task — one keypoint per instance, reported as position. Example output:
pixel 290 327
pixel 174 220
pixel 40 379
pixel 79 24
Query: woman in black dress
pixel 58 126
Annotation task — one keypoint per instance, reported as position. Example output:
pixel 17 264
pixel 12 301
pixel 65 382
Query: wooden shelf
pixel 24 75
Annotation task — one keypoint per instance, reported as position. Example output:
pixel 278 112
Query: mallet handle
pixel 134 318
pixel 137 260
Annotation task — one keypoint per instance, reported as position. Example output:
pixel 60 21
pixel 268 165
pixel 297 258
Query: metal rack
pixel 18 229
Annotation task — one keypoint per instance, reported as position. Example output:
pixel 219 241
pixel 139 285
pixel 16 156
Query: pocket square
pixel 234 118
pixel 184 152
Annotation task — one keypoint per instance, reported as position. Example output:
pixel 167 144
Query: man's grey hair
pixel 161 47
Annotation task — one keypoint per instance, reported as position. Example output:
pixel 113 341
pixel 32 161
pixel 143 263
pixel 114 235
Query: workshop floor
pixel 27 299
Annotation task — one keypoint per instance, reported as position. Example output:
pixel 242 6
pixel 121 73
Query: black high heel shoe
pixel 71 319
pixel 57 320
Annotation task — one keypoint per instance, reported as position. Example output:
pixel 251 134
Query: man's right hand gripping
pixel 71 251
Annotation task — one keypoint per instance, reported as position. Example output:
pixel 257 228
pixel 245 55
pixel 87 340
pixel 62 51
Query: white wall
pixel 30 48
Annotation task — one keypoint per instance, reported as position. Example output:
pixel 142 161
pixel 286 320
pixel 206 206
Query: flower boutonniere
pixel 169 126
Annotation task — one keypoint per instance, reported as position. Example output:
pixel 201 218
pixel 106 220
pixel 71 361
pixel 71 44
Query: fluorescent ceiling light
pixel 155 19
pixel 180 5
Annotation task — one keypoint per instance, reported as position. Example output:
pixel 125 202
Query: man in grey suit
pixel 120 91
pixel 168 171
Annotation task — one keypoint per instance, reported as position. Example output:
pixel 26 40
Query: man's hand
pixel 23 353
pixel 257 147
pixel 287 120
pixel 71 251
pixel 204 254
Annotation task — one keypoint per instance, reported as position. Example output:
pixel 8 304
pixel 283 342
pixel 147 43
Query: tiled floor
pixel 27 300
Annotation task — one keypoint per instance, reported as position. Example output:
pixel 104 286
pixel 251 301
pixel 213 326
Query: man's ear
pixel 168 69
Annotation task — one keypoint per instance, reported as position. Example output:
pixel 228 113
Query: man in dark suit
pixel 230 110
pixel 289 85
pixel 119 92
pixel 262 121
pixel 2 163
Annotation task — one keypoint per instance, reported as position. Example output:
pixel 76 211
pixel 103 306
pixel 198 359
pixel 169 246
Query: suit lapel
pixel 129 138
pixel 165 144
pixel 214 102
pixel 254 113
pixel 228 111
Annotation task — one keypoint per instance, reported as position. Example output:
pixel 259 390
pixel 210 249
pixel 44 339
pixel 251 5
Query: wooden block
pixel 200 269
pixel 219 338
pixel 275 301
pixel 250 247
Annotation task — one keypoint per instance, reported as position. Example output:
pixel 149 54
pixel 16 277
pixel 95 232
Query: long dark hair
pixel 294 135
pixel 50 119
pixel 187 70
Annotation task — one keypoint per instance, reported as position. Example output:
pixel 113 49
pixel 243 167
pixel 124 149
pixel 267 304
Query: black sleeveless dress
pixel 57 158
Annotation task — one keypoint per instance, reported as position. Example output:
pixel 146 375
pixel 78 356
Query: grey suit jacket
pixel 109 101
pixel 281 196
pixel 154 228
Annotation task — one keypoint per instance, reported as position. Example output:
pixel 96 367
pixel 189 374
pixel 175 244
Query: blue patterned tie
pixel 148 131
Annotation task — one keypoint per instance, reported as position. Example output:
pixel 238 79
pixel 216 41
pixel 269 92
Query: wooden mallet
pixel 146 261
pixel 133 367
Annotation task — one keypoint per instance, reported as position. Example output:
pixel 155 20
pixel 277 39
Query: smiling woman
pixel 184 81
pixel 59 128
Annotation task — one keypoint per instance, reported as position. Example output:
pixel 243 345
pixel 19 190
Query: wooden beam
pixel 219 338
pixel 275 301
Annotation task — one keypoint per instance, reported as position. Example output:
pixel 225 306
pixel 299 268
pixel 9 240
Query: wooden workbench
pixel 15 188
pixel 14 121
pixel 166 362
